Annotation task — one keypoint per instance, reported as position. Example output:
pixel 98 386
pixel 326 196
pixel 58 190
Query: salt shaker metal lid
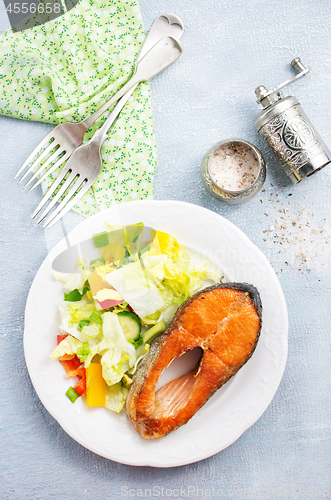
pixel 288 131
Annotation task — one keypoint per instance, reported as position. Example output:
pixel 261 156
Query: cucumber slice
pixel 130 324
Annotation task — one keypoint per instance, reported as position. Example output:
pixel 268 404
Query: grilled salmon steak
pixel 225 322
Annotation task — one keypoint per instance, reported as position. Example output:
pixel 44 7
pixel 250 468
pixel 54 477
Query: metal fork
pixel 66 137
pixel 85 163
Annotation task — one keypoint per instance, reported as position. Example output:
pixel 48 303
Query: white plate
pixel 231 411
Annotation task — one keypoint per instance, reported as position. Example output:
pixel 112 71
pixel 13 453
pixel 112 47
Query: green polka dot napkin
pixel 65 69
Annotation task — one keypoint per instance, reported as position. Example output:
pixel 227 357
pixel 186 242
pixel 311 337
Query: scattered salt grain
pixel 303 241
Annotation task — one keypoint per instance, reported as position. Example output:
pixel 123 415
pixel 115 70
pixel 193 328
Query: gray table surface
pixel 231 47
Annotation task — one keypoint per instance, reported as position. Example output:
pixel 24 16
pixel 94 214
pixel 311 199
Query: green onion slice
pixel 73 296
pixel 96 318
pixel 82 323
pixel 72 394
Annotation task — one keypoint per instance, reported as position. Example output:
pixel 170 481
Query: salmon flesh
pixel 225 322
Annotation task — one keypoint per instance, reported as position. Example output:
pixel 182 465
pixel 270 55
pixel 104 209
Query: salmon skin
pixel 225 321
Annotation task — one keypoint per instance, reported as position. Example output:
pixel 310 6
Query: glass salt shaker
pixel 233 171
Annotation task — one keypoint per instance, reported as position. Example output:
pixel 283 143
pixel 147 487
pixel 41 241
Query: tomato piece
pixel 80 372
pixel 67 357
pixel 70 364
pixel 80 388
pixel 60 338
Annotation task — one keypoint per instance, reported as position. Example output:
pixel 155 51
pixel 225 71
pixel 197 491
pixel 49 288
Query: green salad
pixel 114 306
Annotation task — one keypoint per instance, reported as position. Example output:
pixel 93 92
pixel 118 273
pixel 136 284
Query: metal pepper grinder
pixel 288 131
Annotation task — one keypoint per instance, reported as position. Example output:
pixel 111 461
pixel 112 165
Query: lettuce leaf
pixel 116 397
pixel 71 313
pixel 117 354
pixel 136 289
pixel 68 346
pixel 72 281
pixel 140 353
pixel 120 354
pixel 158 280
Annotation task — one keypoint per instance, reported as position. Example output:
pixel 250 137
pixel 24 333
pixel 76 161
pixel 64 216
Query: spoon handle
pixel 159 57
pixel 89 120
pixel 164 25
pixel 101 134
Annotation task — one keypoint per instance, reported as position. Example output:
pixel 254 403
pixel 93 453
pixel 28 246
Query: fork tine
pixel 71 191
pixel 58 195
pixel 64 208
pixel 50 170
pixel 51 190
pixel 47 138
pixel 45 165
pixel 38 160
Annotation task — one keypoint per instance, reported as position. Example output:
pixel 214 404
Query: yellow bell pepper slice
pixel 166 244
pixel 95 386
pixel 113 252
